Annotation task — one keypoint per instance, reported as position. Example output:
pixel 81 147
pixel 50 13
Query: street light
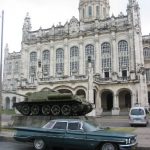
pixel 1 60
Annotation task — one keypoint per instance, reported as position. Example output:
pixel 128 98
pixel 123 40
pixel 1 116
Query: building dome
pixel 89 10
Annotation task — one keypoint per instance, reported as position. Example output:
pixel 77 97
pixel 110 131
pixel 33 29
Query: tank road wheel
pixel 39 144
pixel 55 110
pixel 25 110
pixel 46 109
pixel 109 146
pixel 75 109
pixel 35 110
pixel 65 110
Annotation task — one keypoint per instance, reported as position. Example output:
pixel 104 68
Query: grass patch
pixel 6 129
pixel 122 129
pixel 8 111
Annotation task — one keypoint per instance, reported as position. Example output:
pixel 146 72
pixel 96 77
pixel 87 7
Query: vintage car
pixel 74 134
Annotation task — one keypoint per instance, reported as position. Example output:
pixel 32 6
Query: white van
pixel 138 116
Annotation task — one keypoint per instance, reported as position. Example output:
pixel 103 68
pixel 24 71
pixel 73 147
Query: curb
pixel 143 148
pixel 6 139
pixel 10 139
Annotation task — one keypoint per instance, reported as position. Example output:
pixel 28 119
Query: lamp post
pixel 1 60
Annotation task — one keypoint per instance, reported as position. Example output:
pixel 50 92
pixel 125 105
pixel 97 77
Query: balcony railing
pixel 118 79
pixel 124 78
pixel 63 78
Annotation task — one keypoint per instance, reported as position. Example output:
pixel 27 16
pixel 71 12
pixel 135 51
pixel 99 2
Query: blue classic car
pixel 74 134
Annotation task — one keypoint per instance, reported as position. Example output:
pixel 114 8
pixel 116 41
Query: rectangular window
pixel 148 75
pixel 106 74
pixel 124 73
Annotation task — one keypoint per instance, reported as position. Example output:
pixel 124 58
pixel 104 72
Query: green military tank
pixel 53 103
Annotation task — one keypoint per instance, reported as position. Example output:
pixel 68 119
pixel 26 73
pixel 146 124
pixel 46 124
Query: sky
pixel 46 13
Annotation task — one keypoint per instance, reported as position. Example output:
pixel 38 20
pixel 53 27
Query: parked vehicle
pixel 53 103
pixel 138 116
pixel 74 134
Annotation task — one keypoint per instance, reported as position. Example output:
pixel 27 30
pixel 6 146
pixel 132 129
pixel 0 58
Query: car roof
pixel 66 120
pixel 137 107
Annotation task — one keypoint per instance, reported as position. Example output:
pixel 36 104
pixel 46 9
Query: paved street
pixel 15 146
pixel 115 121
pixel 107 121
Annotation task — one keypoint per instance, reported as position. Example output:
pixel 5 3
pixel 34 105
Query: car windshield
pixel 137 111
pixel 88 126
pixel 49 125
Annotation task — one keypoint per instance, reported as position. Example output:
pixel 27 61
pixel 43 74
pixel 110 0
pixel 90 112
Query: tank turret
pixel 53 103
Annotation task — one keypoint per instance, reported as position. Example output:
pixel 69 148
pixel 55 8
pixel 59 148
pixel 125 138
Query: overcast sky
pixel 45 13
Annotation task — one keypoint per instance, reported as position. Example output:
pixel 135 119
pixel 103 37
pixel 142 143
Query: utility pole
pixel 1 61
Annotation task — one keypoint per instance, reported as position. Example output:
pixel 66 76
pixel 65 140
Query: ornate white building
pixel 103 57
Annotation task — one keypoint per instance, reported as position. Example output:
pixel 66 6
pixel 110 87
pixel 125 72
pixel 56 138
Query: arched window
pixel 89 53
pixel 123 46
pixel 90 11
pixel 46 55
pixel 148 75
pixel 16 67
pixel 9 68
pixel 146 53
pixel 74 60
pixel 123 57
pixel 33 56
pixel 59 61
pixel 46 62
pixel 106 59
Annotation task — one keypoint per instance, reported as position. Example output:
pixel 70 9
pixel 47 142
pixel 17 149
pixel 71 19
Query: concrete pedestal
pixel 115 111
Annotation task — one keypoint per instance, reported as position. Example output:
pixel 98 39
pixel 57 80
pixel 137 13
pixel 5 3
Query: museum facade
pixel 103 58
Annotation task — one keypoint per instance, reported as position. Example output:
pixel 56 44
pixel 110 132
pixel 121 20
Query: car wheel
pixel 35 110
pixel 109 146
pixel 131 125
pixel 46 110
pixel 55 110
pixel 65 110
pixel 39 144
pixel 25 110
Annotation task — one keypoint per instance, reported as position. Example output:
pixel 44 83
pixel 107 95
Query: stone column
pixel 114 57
pixel 99 109
pixel 131 56
pixel 133 99
pixel 66 58
pixel 81 57
pixel 97 58
pixel 116 109
pixel 52 59
pixel 90 88
pixel 131 51
pixel 11 103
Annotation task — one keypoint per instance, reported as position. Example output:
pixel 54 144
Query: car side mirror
pixel 82 129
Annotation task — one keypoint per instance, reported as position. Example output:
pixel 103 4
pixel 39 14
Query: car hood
pixel 109 133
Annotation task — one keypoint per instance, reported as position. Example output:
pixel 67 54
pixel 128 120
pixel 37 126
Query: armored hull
pixel 53 103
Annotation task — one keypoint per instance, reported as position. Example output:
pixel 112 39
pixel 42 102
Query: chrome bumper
pixel 128 146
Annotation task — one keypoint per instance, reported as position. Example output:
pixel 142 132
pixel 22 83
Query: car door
pixel 55 136
pixel 75 137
